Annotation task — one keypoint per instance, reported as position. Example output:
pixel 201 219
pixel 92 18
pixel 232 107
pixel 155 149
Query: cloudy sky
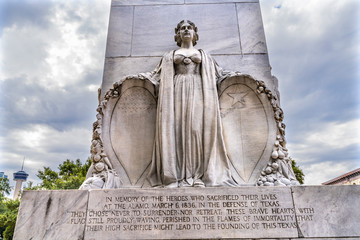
pixel 52 57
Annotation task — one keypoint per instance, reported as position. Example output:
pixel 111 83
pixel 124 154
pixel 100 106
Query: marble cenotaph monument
pixel 189 140
pixel 180 119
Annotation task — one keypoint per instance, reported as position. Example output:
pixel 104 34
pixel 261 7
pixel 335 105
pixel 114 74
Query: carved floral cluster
pixel 273 174
pixel 99 159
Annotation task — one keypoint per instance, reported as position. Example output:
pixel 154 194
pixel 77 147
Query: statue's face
pixel 186 32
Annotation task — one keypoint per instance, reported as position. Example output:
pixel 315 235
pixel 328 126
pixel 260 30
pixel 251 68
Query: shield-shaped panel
pixel 129 130
pixel 249 127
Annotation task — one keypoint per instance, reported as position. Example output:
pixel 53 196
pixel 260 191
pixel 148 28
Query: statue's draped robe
pixel 165 167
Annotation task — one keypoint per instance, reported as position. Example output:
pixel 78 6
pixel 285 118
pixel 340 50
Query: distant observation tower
pixel 19 177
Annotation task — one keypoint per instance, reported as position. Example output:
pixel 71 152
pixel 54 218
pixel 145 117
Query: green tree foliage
pixel 71 175
pixel 298 172
pixel 4 187
pixel 8 210
pixel 8 213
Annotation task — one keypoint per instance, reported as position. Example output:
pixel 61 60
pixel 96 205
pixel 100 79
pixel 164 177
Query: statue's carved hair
pixel 177 32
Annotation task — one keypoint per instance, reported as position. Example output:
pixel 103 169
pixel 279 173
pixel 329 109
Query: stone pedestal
pixel 321 212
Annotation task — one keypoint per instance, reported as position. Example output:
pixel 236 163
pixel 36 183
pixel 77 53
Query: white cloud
pixel 45 139
pixel 42 145
pixel 318 173
pixel 24 50
pixel 61 55
pixel 53 70
pixel 327 151
pixel 93 87
pixel 70 56
pixel 310 34
pixel 333 136
pixel 336 135
pixel 54 62
pixel 315 53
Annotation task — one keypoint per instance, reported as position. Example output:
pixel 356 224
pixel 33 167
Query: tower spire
pixel 22 167
pixel 19 177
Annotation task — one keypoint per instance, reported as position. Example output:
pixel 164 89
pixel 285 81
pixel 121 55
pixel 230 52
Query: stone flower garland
pixel 278 171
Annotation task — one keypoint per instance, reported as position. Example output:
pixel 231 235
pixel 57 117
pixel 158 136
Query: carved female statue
pixel 189 149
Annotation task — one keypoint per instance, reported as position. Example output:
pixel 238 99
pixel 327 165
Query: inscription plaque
pixel 190 213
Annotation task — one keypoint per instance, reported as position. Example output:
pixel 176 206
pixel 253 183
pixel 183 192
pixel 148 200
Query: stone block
pixel 218 1
pixel 117 68
pixel 52 215
pixel 251 28
pixel 145 2
pixel 120 31
pixel 327 211
pixel 217 26
pixel 256 65
pixel 336 238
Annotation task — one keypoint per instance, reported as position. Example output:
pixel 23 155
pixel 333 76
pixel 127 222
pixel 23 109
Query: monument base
pixel 321 212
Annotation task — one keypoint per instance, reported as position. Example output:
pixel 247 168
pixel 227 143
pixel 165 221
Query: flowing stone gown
pixel 189 148
pixel 188 99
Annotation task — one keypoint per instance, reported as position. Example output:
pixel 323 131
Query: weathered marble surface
pixel 251 28
pixel 117 68
pixel 221 17
pixel 335 238
pixel 121 32
pixel 332 212
pixel 145 2
pixel 52 215
pixel 327 203
pixel 256 65
pixel 220 1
